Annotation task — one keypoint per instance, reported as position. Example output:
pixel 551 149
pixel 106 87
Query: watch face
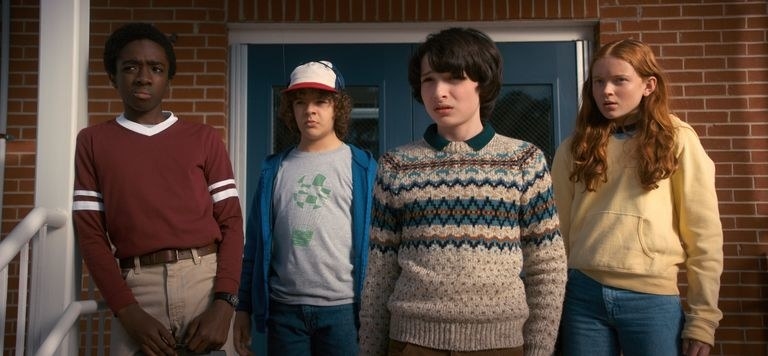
pixel 232 299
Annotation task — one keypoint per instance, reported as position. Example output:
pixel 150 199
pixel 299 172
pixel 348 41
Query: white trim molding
pixel 409 32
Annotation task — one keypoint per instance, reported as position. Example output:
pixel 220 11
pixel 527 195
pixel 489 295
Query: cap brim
pixel 311 85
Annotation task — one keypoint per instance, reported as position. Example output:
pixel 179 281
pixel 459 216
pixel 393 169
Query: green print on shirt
pixel 312 194
pixel 308 195
pixel 301 237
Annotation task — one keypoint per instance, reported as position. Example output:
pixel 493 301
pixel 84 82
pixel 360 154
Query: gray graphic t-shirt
pixel 312 242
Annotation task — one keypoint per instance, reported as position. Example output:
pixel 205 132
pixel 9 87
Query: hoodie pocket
pixel 616 241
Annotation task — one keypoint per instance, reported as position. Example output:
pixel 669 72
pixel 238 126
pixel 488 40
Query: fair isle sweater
pixel 465 250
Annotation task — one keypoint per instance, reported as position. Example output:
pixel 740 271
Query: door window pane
pixel 525 112
pixel 363 128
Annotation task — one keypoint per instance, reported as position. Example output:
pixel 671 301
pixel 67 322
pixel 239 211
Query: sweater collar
pixel 477 143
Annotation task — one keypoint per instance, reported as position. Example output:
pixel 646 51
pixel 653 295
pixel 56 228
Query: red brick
pixel 681 24
pixel 639 25
pixel 743 348
pixel 725 76
pixel 421 10
pixel 700 36
pixel 722 23
pixel 201 106
pixel 619 12
pixel 382 10
pixel 737 209
pixel 539 9
pixel 758 103
pixel 699 10
pixel 731 182
pixel 720 130
pixel 754 278
pixel 757 22
pixel 686 50
pixel 345 12
pixel 190 15
pixel 687 77
pixel 661 11
pixel 552 9
pixel 705 90
pixel 259 9
pixel 526 9
pixel 757 75
pixel 759 130
pixel 728 49
pixel 707 63
pixel 744 36
pixel 732 9
pixel 747 89
pixel 465 11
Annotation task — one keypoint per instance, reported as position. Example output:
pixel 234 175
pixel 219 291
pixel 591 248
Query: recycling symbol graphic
pixel 311 193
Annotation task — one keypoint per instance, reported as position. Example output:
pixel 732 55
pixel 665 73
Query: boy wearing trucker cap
pixel 307 235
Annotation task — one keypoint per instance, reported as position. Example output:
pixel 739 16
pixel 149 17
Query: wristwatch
pixel 232 299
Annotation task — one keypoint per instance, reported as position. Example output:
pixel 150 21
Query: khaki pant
pixel 173 293
pixel 397 348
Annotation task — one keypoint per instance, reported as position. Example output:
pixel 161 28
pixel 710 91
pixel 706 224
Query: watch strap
pixel 230 298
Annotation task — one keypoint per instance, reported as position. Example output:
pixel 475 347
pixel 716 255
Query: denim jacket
pixel 254 281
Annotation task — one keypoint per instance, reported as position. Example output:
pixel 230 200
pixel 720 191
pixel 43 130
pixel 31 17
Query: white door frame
pixel 243 34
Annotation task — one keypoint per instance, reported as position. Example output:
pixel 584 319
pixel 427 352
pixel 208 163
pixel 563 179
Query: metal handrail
pixel 65 322
pixel 27 229
pixel 15 244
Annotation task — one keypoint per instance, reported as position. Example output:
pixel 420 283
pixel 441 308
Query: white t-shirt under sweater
pixel 312 243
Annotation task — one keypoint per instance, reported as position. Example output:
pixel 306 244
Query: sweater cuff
pixel 699 329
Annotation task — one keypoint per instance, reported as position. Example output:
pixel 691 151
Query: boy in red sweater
pixel 156 210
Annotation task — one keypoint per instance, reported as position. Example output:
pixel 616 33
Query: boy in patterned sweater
pixel 465 252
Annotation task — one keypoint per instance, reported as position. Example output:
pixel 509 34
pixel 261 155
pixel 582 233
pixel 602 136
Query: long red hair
pixel 655 136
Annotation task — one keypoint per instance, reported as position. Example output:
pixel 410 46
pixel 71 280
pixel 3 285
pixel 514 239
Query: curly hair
pixel 655 137
pixel 461 52
pixel 342 109
pixel 133 32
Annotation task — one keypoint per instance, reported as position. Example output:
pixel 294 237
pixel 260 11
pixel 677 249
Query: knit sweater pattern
pixel 466 252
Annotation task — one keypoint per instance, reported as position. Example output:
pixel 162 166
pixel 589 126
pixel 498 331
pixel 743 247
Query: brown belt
pixel 168 256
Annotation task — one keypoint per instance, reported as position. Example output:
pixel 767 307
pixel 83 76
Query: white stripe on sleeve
pixel 88 205
pixel 221 184
pixel 87 193
pixel 224 194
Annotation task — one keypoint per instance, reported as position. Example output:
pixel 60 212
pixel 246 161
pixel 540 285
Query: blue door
pixel 538 101
pixel 375 77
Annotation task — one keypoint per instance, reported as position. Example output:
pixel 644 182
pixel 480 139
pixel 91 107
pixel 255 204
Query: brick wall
pixel 19 181
pixel 715 52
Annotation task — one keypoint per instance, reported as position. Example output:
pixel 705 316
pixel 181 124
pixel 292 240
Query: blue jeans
pixel 302 330
pixel 603 321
